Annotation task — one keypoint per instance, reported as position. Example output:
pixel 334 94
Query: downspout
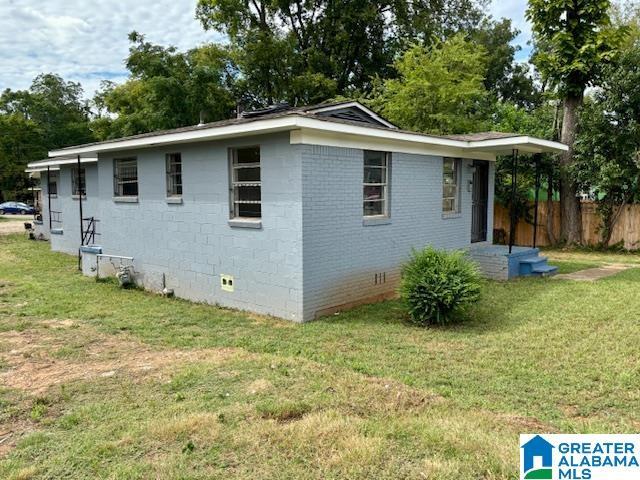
pixel 80 209
pixel 512 215
pixel 49 195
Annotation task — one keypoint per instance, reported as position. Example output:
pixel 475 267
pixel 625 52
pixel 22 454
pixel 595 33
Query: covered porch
pixel 505 262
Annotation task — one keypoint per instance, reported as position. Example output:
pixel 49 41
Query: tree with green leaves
pixel 50 114
pixel 167 89
pixel 608 145
pixel 509 81
pixel 439 89
pixel 305 51
pixel 21 141
pixel 53 104
pixel 574 40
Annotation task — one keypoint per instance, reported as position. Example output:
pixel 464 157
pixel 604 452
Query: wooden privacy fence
pixel 626 229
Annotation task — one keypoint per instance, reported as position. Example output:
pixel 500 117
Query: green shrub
pixel 436 285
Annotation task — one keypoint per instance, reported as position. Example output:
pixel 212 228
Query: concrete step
pixel 534 260
pixel 544 270
pixel 526 265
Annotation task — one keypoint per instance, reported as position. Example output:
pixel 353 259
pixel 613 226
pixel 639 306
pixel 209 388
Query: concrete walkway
pixel 593 274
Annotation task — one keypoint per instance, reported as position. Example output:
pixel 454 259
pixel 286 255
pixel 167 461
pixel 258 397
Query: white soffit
pixel 307 136
pixel 272 125
pixel 42 165
pixel 309 130
pixel 524 144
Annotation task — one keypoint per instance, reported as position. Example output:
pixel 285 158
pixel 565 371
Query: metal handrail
pixel 89 234
pixel 55 216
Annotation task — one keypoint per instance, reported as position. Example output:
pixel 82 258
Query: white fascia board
pixel 203 134
pixel 522 143
pixel 370 132
pixel 343 133
pixel 43 164
pixel 307 136
pixel 358 105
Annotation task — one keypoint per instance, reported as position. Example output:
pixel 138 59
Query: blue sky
pixel 86 40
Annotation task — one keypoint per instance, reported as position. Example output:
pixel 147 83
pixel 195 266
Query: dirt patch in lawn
pixel 35 360
pixel 13 225
pixel 55 352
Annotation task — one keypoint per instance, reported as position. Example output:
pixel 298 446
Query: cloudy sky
pixel 86 40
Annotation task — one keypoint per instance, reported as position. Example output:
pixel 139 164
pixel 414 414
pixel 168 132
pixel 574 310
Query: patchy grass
pixel 565 266
pixel 593 257
pixel 101 382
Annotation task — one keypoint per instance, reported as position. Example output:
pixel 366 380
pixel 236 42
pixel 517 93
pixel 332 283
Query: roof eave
pixel 524 144
pixel 204 134
pixel 42 165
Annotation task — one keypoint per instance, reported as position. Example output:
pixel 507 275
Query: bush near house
pixel 437 285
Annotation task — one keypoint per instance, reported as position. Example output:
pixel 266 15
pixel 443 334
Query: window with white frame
pixel 125 177
pixel 376 184
pixel 246 187
pixel 174 175
pixel 52 184
pixel 78 181
pixel 450 185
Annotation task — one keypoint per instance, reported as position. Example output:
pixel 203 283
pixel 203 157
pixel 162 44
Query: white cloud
pixel 86 41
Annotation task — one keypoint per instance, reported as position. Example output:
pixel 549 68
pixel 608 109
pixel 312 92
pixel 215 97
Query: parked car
pixel 16 208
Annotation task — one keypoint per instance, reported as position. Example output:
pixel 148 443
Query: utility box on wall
pixel 226 283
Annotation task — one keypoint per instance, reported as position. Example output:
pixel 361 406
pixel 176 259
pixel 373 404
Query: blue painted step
pixel 537 266
pixel 545 270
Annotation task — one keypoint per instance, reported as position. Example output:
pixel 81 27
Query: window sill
pixel 57 231
pixel 448 216
pixel 371 221
pixel 76 197
pixel 133 199
pixel 53 195
pixel 245 223
pixel 174 200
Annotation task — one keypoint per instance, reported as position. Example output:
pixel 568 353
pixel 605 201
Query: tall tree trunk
pixel 571 218
pixel 550 224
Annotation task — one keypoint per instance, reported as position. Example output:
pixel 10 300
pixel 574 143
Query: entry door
pixel 480 200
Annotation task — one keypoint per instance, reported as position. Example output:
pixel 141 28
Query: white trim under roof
pixel 357 105
pixel 41 165
pixel 331 131
pixel 523 143
pixel 307 136
pixel 202 134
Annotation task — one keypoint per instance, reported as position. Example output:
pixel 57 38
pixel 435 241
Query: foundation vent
pixel 226 283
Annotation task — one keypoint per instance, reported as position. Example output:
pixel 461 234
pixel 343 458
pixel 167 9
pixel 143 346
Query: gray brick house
pixel 294 212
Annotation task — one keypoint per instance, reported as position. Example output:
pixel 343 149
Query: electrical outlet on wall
pixel 226 283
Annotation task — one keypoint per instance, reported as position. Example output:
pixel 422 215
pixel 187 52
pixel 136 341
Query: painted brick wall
pixel 313 252
pixel 341 255
pixel 192 244
pixel 69 240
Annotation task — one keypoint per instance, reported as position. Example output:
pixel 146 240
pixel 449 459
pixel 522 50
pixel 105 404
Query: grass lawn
pixel 107 383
